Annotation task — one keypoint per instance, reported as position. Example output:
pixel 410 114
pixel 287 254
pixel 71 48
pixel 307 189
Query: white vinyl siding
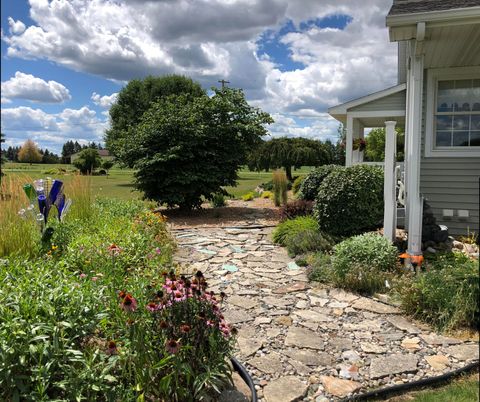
pixel 392 102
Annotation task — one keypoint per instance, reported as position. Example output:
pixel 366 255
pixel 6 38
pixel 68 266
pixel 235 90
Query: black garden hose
pixel 402 388
pixel 238 367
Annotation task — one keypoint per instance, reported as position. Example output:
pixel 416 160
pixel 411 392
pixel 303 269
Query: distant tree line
pixel 12 154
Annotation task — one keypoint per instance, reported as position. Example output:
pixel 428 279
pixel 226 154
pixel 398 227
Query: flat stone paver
pixel 302 341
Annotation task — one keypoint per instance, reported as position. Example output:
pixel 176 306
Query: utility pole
pixel 223 82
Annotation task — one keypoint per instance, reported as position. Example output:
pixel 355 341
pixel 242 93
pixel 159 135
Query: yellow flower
pixel 54 247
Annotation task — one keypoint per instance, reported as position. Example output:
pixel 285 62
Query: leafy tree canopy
pixel 137 97
pixel 288 153
pixel 375 149
pixel 87 161
pixel 186 147
pixel 29 152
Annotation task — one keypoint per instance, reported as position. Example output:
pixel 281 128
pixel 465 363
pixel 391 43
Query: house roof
pixel 425 6
pixel 342 108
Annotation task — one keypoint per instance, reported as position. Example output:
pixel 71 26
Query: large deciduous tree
pixel 289 153
pixel 188 147
pixel 136 98
pixel 29 153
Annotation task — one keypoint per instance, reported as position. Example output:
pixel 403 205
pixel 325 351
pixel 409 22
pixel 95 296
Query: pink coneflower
pixel 82 276
pixel 185 328
pixel 129 303
pixel 163 325
pixel 114 250
pixel 152 307
pixel 158 251
pixel 210 323
pixel 94 278
pixel 179 296
pixel 112 348
pixel 172 346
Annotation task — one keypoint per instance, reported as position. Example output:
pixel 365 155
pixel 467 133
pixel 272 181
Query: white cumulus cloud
pixel 34 89
pixel 104 101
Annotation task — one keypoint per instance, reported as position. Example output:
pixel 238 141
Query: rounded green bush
pixel 350 200
pixel 292 227
pixel 309 186
pixel 369 250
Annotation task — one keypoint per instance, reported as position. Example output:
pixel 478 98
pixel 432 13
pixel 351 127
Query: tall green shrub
pixel 308 188
pixel 350 200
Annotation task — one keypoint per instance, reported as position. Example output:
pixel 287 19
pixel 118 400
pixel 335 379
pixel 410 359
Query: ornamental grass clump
pixel 280 188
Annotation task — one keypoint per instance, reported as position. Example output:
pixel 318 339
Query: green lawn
pixel 119 183
pixel 460 391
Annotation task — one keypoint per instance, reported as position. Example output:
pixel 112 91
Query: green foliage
pixel 375 148
pixel 369 249
pixel 309 186
pixel 280 188
pixel 350 200
pixel 301 235
pixel 29 152
pixel 288 153
pixel 446 295
pixel 87 161
pixel 296 208
pixel 135 99
pixel 66 333
pixel 107 164
pixel 320 267
pixel 185 149
pixel 465 390
pixel 218 200
pixel 248 196
pixel 297 183
pixel 267 194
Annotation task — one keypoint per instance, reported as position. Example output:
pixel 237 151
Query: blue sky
pixel 64 61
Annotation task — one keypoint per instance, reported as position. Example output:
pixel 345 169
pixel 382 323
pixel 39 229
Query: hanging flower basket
pixel 359 144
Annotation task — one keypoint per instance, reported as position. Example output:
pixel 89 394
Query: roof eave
pixel 403 26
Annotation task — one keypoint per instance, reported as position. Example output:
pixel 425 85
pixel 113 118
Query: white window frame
pixel 433 76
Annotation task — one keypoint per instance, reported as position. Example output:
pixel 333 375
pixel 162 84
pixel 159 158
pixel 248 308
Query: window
pixel 453 113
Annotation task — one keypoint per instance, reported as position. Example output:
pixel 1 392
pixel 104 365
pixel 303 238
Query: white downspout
pixel 414 133
pixel 389 187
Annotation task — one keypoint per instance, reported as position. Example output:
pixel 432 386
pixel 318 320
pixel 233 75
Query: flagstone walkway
pixel 305 342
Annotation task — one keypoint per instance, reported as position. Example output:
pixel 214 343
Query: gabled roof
pixel 342 108
pixel 425 6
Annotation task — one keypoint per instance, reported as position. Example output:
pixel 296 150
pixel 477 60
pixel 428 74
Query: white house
pixel 437 101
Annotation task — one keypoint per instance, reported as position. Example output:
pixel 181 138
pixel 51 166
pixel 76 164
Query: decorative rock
pixel 242 302
pixel 434 339
pixel 237 316
pixel 285 389
pixel 301 304
pixel 351 356
pixel 340 343
pixel 403 324
pixel 283 320
pixel 294 287
pixel 269 364
pixel 232 395
pixel 393 364
pixel 349 372
pixel 370 305
pixel 262 320
pixel 411 343
pixel 311 315
pixel 277 302
pixel 463 352
pixel 338 387
pixel 248 346
pixel 438 362
pixel 343 296
pixel 230 267
pixel 337 304
pixel 309 358
pixel 300 368
pixel 318 301
pixel 368 347
pixel 303 338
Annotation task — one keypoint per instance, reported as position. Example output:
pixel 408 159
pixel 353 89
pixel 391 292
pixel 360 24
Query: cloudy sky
pixel 63 61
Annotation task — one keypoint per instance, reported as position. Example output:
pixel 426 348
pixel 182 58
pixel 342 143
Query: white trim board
pixel 433 75
pixel 377 113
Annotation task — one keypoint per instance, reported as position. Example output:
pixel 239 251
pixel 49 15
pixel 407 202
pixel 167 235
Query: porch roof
pixel 375 108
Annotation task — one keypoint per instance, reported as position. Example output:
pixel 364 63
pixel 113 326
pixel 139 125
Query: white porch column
pixel 349 142
pixel 357 156
pixel 414 133
pixel 389 187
